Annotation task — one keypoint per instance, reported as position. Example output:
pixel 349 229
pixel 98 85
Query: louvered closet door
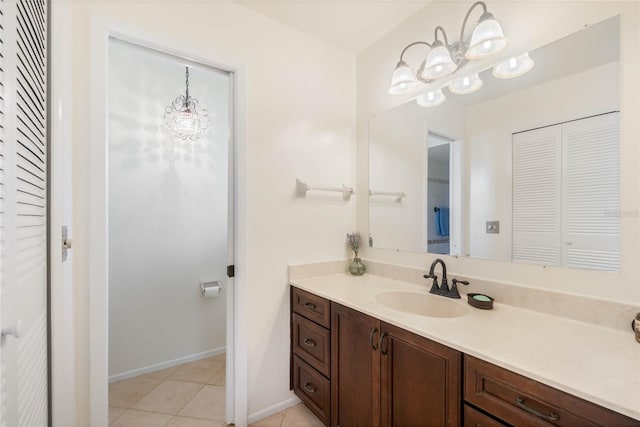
pixel 23 292
pixel 591 236
pixel 537 188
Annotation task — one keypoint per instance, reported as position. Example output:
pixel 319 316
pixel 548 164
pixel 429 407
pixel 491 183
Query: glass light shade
pixel 466 84
pixel 513 67
pixel 185 120
pixel 487 39
pixel 438 63
pixel 402 80
pixel 431 98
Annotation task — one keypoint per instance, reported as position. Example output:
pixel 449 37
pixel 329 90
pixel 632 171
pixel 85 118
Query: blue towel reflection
pixel 442 221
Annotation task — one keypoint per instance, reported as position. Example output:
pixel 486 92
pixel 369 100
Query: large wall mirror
pixel 523 170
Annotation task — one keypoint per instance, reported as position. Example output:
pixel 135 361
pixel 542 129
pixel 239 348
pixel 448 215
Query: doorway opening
pixel 438 189
pixel 170 240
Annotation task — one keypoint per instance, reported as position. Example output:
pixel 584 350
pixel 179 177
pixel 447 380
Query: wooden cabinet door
pixel 355 370
pixel 420 381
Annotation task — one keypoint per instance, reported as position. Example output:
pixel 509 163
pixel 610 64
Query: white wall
pixel 489 127
pixel 529 25
pixel 167 212
pixel 299 123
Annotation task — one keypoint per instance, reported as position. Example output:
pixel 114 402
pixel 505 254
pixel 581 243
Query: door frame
pixel 101 31
pixel 63 394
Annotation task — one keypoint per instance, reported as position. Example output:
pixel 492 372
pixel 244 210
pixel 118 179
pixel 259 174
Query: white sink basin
pixel 422 304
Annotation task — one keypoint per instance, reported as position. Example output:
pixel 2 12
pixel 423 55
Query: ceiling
pixel 352 25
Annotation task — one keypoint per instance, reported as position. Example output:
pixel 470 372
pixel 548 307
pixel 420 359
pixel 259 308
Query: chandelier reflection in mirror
pixel 184 118
pixel 444 59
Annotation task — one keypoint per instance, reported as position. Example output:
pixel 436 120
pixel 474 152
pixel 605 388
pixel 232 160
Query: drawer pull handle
pixel 373 332
pixel 309 342
pixel 551 417
pixel 309 387
pixel 381 341
pixel 310 305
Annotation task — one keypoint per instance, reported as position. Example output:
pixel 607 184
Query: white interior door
pixel 591 202
pixel 537 196
pixel 23 296
pixel 566 196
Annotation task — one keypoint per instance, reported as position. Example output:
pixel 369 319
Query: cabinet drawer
pixel 519 400
pixel 312 343
pixel 475 418
pixel 313 389
pixel 311 306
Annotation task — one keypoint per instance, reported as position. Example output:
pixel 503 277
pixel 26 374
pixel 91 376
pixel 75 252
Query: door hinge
pixel 66 242
pixel 231 270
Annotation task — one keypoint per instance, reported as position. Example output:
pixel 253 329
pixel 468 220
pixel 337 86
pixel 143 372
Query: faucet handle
pixel 454 287
pixel 434 287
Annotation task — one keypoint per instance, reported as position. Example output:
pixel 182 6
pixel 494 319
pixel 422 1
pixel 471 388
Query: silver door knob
pixel 15 330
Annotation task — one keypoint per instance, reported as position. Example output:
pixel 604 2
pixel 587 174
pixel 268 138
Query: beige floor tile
pixel 222 357
pixel 208 403
pixel 194 422
pixel 219 378
pixel 126 393
pixel 274 420
pixel 133 418
pixel 169 397
pixel 162 374
pixel 300 416
pixel 114 413
pixel 199 371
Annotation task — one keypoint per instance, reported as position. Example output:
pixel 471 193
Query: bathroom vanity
pixel 357 362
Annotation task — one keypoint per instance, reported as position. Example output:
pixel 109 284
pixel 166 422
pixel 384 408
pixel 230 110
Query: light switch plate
pixel 493 227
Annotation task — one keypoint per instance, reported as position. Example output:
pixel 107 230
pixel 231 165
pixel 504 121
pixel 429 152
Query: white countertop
pixel 598 364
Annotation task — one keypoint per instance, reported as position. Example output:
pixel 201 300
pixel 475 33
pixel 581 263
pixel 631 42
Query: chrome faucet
pixel 443 289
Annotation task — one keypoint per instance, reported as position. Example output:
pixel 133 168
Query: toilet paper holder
pixel 206 288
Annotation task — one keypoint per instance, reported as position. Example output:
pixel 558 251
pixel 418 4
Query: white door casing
pixel 102 30
pixel 63 345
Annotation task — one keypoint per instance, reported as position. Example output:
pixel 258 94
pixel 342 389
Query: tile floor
pixel 189 395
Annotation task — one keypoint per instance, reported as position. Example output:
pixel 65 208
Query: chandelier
pixel 444 59
pixel 184 119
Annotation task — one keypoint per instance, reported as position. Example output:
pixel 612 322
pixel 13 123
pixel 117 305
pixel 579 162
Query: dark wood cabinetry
pixel 521 401
pixel 475 418
pixel 311 352
pixel 353 370
pixel 312 388
pixel 385 376
pixel 420 380
pixel 312 343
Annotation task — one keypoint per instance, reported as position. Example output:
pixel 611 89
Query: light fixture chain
pixel 187 85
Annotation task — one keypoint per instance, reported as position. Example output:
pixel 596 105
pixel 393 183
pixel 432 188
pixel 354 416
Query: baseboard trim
pixel 167 364
pixel 257 416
